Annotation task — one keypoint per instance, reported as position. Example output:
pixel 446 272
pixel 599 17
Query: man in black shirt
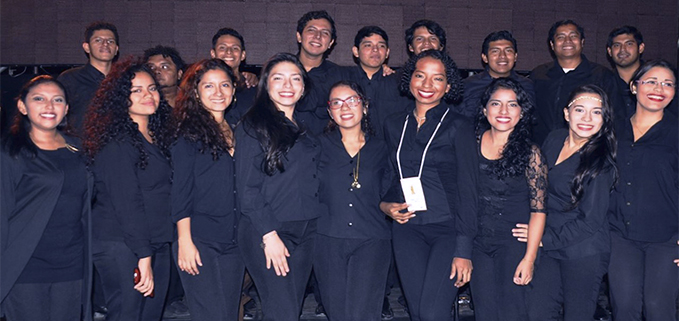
pixel 168 68
pixel 101 46
pixel 498 54
pixel 625 46
pixel 570 69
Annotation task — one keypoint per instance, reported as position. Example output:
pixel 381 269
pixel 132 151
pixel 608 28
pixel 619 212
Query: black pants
pixel 569 284
pixel 642 274
pixel 60 301
pixel 281 296
pixel 424 254
pixel 352 275
pixel 115 263
pixel 214 293
pixel 496 296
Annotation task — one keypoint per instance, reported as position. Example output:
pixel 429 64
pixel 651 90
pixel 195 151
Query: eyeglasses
pixel 352 102
pixel 653 83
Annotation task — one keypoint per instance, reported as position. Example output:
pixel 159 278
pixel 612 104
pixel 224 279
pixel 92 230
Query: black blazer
pixel 29 192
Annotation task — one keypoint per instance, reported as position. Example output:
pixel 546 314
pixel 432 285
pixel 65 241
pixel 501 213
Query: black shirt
pixel 291 195
pixel 81 84
pixel 204 190
pixel 644 202
pixel 475 86
pixel 58 256
pixel 132 204
pixel 312 109
pixel 353 212
pixel 582 231
pixel 243 101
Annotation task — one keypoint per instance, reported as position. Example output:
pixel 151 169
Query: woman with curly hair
pixel 576 240
pixel 276 166
pixel 512 183
pixel 44 220
pixel 125 141
pixel 203 193
pixel 425 149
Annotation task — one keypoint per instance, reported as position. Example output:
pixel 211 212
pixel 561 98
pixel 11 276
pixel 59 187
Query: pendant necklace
pixel 356 184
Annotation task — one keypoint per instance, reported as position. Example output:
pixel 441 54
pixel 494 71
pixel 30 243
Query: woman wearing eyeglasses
pixel 643 211
pixel 353 246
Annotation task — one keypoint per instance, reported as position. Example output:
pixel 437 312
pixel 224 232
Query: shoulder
pixel 541 70
pixel 555 137
pixel 71 73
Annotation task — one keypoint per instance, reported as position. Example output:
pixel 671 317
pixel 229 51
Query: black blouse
pixel 353 212
pixel 644 202
pixel 204 190
pixel 582 231
pixel 291 195
pixel 132 204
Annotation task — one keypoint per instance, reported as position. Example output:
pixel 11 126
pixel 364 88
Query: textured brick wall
pixel 50 31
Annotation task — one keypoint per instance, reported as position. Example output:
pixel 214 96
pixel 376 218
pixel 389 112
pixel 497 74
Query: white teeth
pixel 345 117
pixel 503 119
pixel 286 94
pixel 48 115
pixel 656 97
pixel 425 94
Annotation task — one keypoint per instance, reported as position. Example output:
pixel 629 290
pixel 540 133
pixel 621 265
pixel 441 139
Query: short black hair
pixel 622 31
pixel 228 32
pixel 552 30
pixel 495 36
pixel 431 26
pixel 165 52
pixel 368 31
pixel 100 25
pixel 313 15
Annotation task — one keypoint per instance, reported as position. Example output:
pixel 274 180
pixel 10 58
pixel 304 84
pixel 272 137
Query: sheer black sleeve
pixel 536 175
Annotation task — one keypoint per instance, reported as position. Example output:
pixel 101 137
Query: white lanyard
pixel 424 154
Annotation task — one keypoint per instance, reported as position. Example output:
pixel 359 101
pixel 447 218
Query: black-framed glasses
pixel 352 102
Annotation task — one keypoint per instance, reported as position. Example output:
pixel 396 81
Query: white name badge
pixel 414 194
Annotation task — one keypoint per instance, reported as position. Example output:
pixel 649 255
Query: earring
pixel 634 92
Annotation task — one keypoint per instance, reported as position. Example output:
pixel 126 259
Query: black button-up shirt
pixel 81 84
pixel 312 109
pixel 644 202
pixel 353 212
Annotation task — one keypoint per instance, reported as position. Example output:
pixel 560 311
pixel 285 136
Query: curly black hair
pixel 452 74
pixel 517 152
pixel 108 117
pixel 366 125
pixel 190 119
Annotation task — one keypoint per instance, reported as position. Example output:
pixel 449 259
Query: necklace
pixel 356 184
pixel 419 119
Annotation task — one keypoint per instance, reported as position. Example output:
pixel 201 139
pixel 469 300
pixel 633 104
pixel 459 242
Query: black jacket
pixel 81 84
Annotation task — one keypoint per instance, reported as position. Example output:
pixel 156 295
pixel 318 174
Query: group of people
pixel 530 189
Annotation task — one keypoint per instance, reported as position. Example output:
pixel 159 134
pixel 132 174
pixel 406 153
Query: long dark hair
pixel 599 151
pixel 275 134
pixel 108 116
pixel 366 125
pixel 190 118
pixel 19 138
pixel 517 152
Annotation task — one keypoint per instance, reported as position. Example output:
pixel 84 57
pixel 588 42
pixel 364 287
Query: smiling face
pixel 165 71
pixel 285 85
pixel 229 49
pixel 503 110
pixel 567 42
pixel 424 40
pixel 102 46
pixel 215 92
pixel 371 52
pixel 654 97
pixel 316 38
pixel 45 106
pixel 351 108
pixel 429 83
pixel 501 58
pixel 584 116
pixel 624 50
pixel 144 96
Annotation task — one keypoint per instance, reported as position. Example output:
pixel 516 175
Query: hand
pixel 276 253
pixel 145 285
pixel 250 79
pixel 393 210
pixel 188 257
pixel 521 232
pixel 462 268
pixel 524 272
pixel 386 70
pixel 677 260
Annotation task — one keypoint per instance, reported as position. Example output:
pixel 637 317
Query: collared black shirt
pixel 132 204
pixel 644 202
pixel 353 212
pixel 440 175
pixel 384 97
pixel 286 196
pixel 312 109
pixel 475 86
pixel 81 84
pixel 582 231
pixel 204 190
pixel 243 100
pixel 553 86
